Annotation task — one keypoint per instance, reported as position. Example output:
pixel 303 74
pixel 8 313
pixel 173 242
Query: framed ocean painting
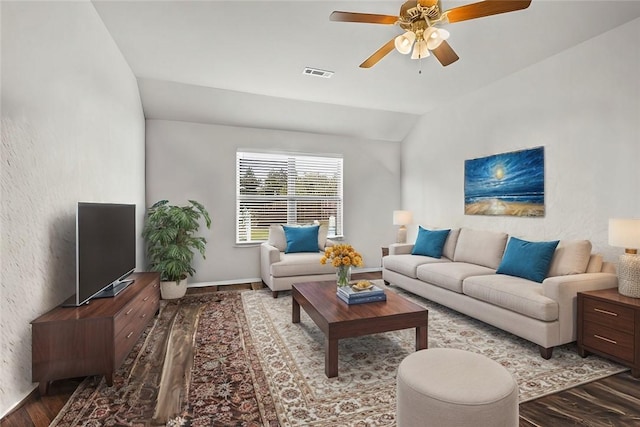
pixel 505 184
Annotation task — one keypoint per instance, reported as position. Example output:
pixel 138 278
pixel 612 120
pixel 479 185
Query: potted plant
pixel 169 233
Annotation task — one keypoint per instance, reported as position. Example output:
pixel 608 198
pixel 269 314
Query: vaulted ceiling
pixel 241 63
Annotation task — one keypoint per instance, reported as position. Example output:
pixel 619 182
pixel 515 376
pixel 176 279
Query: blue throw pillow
pixel 301 239
pixel 430 242
pixel 529 260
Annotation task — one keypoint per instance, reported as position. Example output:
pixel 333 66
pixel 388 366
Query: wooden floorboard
pixel 20 418
pixel 612 401
pixel 37 411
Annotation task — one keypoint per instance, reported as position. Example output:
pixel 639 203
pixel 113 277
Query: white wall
pixel 583 106
pixel 72 130
pixel 197 161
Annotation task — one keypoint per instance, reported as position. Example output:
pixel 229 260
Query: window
pixel 286 189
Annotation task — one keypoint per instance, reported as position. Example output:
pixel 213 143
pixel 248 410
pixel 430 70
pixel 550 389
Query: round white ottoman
pixel 447 387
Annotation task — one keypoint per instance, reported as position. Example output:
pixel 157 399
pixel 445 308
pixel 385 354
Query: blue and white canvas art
pixel 505 184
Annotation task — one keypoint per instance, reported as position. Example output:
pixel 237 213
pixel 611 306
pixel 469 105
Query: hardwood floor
pixel 612 401
pixel 37 411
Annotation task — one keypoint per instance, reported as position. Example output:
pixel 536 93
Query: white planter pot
pixel 173 290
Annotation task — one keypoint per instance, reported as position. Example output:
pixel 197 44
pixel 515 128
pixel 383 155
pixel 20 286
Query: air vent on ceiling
pixel 317 72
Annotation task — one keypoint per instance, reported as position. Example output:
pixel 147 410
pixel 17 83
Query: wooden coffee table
pixel 339 320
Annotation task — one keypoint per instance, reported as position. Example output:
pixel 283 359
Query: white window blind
pixel 286 189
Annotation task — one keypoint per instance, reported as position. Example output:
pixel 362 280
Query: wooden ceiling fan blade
pixel 367 18
pixel 485 8
pixel 379 54
pixel 445 54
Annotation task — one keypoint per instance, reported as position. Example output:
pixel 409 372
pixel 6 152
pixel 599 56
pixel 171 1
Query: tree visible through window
pixel 286 189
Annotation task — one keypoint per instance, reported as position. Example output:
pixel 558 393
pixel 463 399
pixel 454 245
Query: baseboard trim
pixel 259 280
pixel 18 405
pixel 225 282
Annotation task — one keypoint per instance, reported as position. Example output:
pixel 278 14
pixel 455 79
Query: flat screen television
pixel 105 250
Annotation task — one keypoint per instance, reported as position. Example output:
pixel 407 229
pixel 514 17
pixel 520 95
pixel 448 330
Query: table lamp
pixel 402 218
pixel 625 233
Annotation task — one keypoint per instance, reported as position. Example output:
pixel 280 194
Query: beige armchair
pixel 279 270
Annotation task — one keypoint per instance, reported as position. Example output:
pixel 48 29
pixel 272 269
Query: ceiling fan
pixel 420 19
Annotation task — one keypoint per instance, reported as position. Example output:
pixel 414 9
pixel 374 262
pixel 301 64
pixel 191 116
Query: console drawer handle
pixel 127 313
pixel 145 299
pixel 144 315
pixel 605 339
pixel 610 313
pixel 129 334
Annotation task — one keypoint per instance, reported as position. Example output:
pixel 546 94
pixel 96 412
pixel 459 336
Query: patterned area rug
pixel 363 394
pixel 253 367
pixel 225 387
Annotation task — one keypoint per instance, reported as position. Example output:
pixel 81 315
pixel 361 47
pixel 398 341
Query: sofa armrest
pixel 268 255
pixel 330 242
pixel 400 248
pixel 564 289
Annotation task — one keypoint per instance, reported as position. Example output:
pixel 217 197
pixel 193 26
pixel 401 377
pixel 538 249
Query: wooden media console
pixel 93 339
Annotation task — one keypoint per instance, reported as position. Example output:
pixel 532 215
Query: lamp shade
pixel 624 233
pixel 402 217
pixel 420 50
pixel 434 37
pixel 404 42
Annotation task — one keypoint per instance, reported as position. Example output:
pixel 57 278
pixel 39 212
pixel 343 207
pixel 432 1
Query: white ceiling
pixel 240 62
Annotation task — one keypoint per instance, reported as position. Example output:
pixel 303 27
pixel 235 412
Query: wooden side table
pixel 609 326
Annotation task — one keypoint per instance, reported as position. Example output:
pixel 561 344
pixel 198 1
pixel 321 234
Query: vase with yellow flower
pixel 343 257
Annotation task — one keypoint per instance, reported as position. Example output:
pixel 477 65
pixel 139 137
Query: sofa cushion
pixel 449 248
pixel 278 239
pixel 407 264
pixel 480 247
pixel 571 257
pixel 512 293
pixel 430 242
pixel 300 264
pixel 323 233
pixel 529 260
pixel 449 275
pixel 301 239
pixel 595 264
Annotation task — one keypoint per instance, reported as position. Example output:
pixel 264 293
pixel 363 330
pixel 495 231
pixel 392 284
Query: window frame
pixel 333 162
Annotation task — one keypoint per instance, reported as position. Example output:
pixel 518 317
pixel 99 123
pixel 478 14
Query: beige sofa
pixel 465 279
pixel 279 270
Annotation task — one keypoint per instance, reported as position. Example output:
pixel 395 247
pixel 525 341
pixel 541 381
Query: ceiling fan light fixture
pixel 420 50
pixel 435 36
pixel 404 42
pixel 419 16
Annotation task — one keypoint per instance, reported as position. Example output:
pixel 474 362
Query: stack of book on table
pixel 351 296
